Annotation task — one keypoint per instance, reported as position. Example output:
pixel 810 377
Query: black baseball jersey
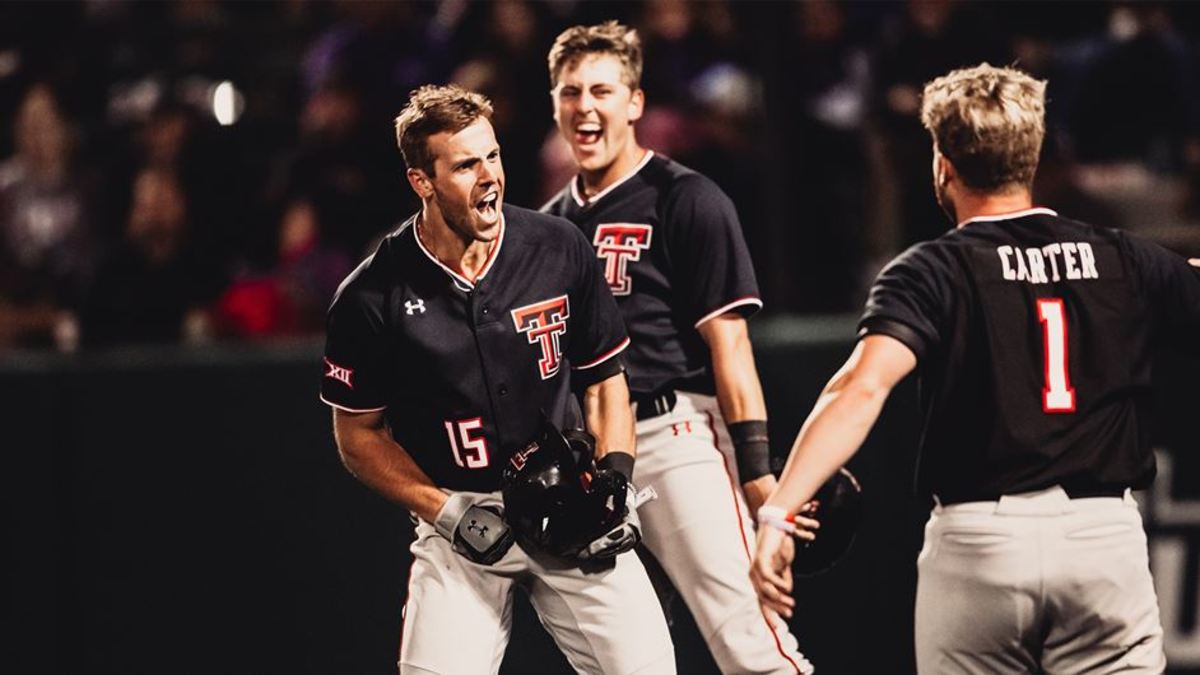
pixel 464 370
pixel 1035 337
pixel 671 248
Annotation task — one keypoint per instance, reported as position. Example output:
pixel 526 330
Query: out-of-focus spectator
pixel 1136 102
pixel 291 298
pixel 828 96
pixel 45 235
pixel 928 39
pixel 154 285
pixel 506 61
pixel 355 172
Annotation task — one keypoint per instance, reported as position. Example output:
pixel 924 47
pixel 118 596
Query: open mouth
pixel 487 205
pixel 588 133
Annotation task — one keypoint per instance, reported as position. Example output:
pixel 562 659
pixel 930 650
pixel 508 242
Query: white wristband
pixel 776 517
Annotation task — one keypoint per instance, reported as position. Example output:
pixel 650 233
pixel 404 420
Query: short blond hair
pixel 610 38
pixel 989 122
pixel 431 110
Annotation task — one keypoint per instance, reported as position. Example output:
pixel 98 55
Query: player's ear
pixel 420 183
pixel 637 105
pixel 943 171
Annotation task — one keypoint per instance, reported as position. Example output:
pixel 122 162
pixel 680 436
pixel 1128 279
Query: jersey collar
pixel 459 280
pixel 600 195
pixel 1009 216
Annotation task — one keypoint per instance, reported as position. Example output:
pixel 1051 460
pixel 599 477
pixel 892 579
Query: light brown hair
pixel 609 37
pixel 431 110
pixel 989 122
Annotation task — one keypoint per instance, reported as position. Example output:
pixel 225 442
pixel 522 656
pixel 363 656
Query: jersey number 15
pixel 470 453
pixel 1058 396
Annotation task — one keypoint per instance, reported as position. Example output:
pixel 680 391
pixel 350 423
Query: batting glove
pixel 623 537
pixel 475 532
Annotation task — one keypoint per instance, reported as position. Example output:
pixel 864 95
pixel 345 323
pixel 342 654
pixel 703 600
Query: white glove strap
pixel 451 514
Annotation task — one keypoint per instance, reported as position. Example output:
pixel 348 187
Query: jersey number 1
pixel 471 453
pixel 1058 396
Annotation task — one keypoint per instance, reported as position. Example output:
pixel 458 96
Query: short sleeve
pixel 598 332
pixel 355 374
pixel 909 301
pixel 712 270
pixel 1171 286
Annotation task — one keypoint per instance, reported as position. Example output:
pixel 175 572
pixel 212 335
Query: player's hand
pixel 475 532
pixel 758 490
pixel 618 495
pixel 771 571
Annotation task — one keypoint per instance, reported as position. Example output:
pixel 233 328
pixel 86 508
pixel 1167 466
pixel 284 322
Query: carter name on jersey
pixel 1050 263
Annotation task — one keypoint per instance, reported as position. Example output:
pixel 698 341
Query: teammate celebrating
pixel 673 254
pixel 444 350
pixel 1034 336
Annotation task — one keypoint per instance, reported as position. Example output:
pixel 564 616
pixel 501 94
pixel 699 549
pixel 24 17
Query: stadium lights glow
pixel 227 103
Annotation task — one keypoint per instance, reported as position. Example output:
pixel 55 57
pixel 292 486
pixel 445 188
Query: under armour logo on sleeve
pixel 411 307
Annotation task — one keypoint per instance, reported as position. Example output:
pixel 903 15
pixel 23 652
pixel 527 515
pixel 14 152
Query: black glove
pixel 475 532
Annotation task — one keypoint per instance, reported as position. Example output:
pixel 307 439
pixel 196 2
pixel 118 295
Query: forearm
pixel 374 458
pixel 833 432
pixel 610 416
pixel 739 392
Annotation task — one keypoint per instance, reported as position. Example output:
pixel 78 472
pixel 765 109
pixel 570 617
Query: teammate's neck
pixel 463 255
pixel 592 183
pixel 969 205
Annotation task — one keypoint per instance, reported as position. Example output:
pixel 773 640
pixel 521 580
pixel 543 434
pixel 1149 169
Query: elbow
pixel 865 390
pixel 351 456
pixel 346 454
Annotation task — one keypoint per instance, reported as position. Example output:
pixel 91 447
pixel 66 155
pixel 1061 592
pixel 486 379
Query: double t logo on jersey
pixel 617 244
pixel 542 323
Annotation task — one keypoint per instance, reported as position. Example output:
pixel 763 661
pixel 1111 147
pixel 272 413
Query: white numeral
pixel 471 453
pixel 1058 396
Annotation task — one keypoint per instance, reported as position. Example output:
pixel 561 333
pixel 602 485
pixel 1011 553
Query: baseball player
pixel 1034 336
pixel 669 243
pixel 444 350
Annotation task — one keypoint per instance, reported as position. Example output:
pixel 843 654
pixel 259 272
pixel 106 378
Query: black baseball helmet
pixel 839 511
pixel 545 490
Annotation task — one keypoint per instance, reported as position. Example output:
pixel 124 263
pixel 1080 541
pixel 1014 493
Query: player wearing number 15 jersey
pixel 445 350
pixel 1034 336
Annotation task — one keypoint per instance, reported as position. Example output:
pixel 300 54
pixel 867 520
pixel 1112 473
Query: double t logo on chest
pixel 543 323
pixel 617 244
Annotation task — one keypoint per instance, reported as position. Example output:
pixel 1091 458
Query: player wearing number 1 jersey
pixel 445 350
pixel 1034 336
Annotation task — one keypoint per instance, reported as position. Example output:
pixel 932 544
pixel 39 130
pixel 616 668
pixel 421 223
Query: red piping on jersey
pixel 600 195
pixel 350 410
pixel 747 300
pixel 604 357
pixel 487 264
pixel 742 530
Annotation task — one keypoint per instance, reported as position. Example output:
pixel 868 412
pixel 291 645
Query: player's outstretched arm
pixel 838 424
pixel 375 458
pixel 740 396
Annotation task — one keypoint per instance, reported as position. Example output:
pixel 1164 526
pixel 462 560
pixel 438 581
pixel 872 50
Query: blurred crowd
pixel 202 169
